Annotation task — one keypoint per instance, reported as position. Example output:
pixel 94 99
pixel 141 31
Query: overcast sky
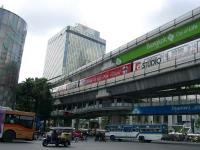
pixel 118 21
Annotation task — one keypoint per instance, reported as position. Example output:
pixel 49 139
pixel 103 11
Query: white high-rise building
pixel 72 48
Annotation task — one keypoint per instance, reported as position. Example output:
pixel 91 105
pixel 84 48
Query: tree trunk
pixel 44 125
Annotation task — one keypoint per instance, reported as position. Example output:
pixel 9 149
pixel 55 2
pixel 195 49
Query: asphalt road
pixel 91 145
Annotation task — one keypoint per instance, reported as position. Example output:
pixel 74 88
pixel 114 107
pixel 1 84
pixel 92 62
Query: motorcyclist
pixel 54 136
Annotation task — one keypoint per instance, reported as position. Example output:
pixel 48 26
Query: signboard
pixel 107 74
pixel 1 122
pixel 177 52
pixel 167 109
pixel 179 34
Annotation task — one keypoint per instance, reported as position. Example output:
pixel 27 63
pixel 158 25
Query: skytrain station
pixel 151 79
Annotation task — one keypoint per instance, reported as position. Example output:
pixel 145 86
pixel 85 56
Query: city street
pixel 91 145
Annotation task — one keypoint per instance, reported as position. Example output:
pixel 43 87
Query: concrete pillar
pixel 77 124
pixel 100 122
pixel 116 119
pixel 188 117
pixel 142 119
pixel 150 119
pixel 73 123
pixel 138 119
pixel 115 102
pixel 75 108
pixel 170 121
pixel 184 117
pixel 161 119
pixel 130 119
pixel 174 119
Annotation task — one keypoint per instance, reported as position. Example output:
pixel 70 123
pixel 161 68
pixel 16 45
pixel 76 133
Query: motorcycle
pixel 57 136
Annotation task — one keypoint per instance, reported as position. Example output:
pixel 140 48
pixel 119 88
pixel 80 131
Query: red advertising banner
pixel 110 73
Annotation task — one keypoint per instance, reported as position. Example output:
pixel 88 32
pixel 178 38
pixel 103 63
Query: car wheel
pixel 141 139
pixel 45 143
pixel 65 144
pixel 112 138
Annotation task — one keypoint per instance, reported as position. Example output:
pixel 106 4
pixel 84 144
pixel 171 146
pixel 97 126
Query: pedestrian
pixel 76 136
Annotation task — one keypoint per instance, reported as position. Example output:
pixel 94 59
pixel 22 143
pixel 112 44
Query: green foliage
pixel 34 95
pixel 197 123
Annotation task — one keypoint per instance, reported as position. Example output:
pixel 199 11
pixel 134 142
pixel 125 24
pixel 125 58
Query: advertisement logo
pixel 137 66
pixel 136 111
pixel 118 61
pixel 170 37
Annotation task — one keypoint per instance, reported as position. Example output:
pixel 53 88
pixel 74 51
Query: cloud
pixel 48 16
pixel 171 9
pixel 44 16
pixel 118 21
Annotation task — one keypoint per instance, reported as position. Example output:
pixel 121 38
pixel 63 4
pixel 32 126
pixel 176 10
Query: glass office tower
pixel 12 37
pixel 72 48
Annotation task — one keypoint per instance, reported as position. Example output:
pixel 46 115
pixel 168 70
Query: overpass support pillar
pixel 130 119
pixel 117 120
pixel 161 119
pixel 75 123
pixel 170 120
pixel 150 120
pixel 174 119
pixel 100 122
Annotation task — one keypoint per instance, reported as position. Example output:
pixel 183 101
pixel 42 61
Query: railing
pixel 164 103
pixel 92 108
pixel 57 113
pixel 151 71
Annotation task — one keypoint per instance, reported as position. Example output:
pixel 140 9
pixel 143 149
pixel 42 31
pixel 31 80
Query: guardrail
pixel 92 108
pixel 151 71
pixel 164 103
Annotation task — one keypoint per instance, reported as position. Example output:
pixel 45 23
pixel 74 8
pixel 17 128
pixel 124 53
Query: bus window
pixel 10 118
pixel 128 129
pixel 26 121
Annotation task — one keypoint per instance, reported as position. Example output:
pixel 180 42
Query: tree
pixel 24 98
pixel 197 122
pixel 34 95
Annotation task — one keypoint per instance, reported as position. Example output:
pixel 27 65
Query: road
pixel 91 145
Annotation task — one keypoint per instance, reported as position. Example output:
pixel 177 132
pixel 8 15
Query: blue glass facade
pixel 12 37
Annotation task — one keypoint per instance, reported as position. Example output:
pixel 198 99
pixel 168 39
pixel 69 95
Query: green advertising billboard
pixel 177 35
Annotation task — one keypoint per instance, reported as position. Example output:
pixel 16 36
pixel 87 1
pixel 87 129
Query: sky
pixel 118 21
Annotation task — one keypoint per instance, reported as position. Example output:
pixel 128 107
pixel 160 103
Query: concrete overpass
pixel 118 95
pixel 151 82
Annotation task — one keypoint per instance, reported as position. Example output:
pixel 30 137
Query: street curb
pixel 176 142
